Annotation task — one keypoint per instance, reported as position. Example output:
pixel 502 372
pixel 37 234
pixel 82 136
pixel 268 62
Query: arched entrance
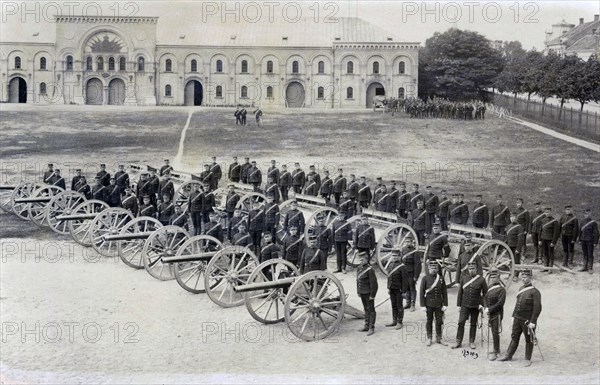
pixel 294 95
pixel 17 90
pixel 116 92
pixel 94 92
pixel 374 89
pixel 193 93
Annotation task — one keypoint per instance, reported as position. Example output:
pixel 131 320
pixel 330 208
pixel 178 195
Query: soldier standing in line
pixel 342 234
pixel 216 173
pixel 589 236
pixel 397 284
pixel 403 201
pixel 569 231
pixel 311 188
pixel 431 206
pixel 99 191
pixel 418 221
pixel 154 184
pixel 500 216
pixel 326 187
pixel 255 176
pixel 231 201
pixel 535 228
pixel 364 193
pixel 273 172
pixel 347 206
pixel 456 211
pixel 465 208
pixel 208 203
pixel 238 116
pixel 412 260
pixel 466 256
pixel 525 318
pixel 235 170
pixel 312 258
pixel 514 240
pixel 58 180
pixel 294 217
pixel 76 179
pixel 195 208
pixel 434 301
pixel 353 189
pixel 316 177
pixel 130 202
pixel 113 194
pixel 258 116
pixel 83 188
pixel 364 238
pixel 381 199
pixel 179 218
pixel 549 233
pixel 244 170
pixel 234 223
pixel 256 225
pixel 524 219
pixel 471 290
pixel 323 235
pixel 293 246
pixel 481 215
pixel 269 251
pixel 165 167
pixel 206 175
pixel 165 209
pixel 241 237
pixel 243 114
pixel 49 174
pixel 122 178
pixel 213 228
pixel 438 247
pixel 103 175
pixel 271 210
pixel 415 196
pixel 147 209
pixel 166 186
pixel 339 186
pixel 298 179
pixel 394 194
pixel 493 303
pixel 366 285
pixel 272 189
pixel 143 187
pixel 285 182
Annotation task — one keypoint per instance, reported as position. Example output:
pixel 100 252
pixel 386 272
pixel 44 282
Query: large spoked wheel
pixel 130 250
pixel 284 207
pixel 315 306
pixel 229 268
pixel 496 255
pixel 327 213
pixel 190 274
pixel 62 204
pixel 183 192
pixel 163 243
pixel 80 228
pixel 36 211
pixel 5 201
pixel 393 238
pixel 267 306
pixel 352 254
pixel 246 201
pixel 108 222
pixel 23 190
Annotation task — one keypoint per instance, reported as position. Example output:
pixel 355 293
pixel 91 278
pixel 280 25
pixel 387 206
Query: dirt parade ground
pixel 69 315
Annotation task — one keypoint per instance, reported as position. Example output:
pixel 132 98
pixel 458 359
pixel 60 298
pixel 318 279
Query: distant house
pixel 582 40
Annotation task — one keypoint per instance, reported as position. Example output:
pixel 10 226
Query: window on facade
pixel 321 67
pixel 168 65
pixel 69 63
pixel 244 66
pixel 111 63
pixel 194 66
pixel 219 93
pixel 376 67
pixel 168 90
pixel 349 93
pixel 295 67
pixel 17 62
pixel 269 92
pixel 100 63
pixel 350 67
pixel 88 63
pixel 401 93
pixel 43 63
pixel 141 64
pixel 244 92
pixel 401 67
pixel 321 93
pixel 43 88
pixel 122 64
pixel 269 67
pixel 219 66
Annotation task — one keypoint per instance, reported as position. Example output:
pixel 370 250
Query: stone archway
pixel 193 93
pixel 17 90
pixel 294 95
pixel 94 92
pixel 116 92
pixel 374 89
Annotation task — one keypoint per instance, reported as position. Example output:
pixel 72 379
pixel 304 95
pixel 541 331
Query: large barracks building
pixel 121 61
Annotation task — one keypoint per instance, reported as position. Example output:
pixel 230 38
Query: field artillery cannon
pixel 8 185
pixel 80 220
pixel 312 305
pixel 33 207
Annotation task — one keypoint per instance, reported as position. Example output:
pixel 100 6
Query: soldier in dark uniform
pixel 412 260
pixel 364 193
pixel 481 215
pixel 206 175
pixel 83 188
pixel 466 255
pixel 273 172
pixel 195 208
pixel 254 176
pixel 415 196
pixel 245 167
pixel 256 225
pixel 353 188
pixel 49 174
pixel 76 179
pixel 166 186
pixel 455 211
pixel 294 217
pixel 122 178
pixel 231 200
pixel 285 182
pixel 549 233
pixel 315 175
pixel 311 187
pixel 589 236
pixel 272 190
pixel 208 203
pixel 270 250
pixel 165 167
pixel 238 116
pixel 465 208
pixel 500 216
pixel 535 228
pixel 143 187
pixel 514 240
pixel 216 173
pixel 397 283
pixel 243 114
pixel 147 209
pixel 339 186
pixel 103 175
pixel 381 200
pixel 113 194
pixel 418 221
pixel 403 201
pixel 433 301
pixel 165 209
pixel 366 287
pixel 298 179
pixel 312 259
pixel 57 180
pixel 271 216
pixel 99 191
pixel 234 223
pixel 394 194
pixel 179 218
pixel 438 247
pixel 154 183
pixel 293 246
pixel 431 206
pixel 442 212
pixel 241 238
pixel 347 206
pixel 569 232
pixel 323 235
pixel 364 238
pixel 524 219
pixel 326 187
pixel 214 227
pixel 342 234
pixel 235 170
pixel 493 303
pixel 471 290
pixel 525 318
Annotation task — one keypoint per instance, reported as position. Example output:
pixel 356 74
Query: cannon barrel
pixel 76 217
pixel 310 201
pixel 381 217
pixel 127 237
pixel 278 284
pixel 207 256
pixel 7 187
pixel 44 199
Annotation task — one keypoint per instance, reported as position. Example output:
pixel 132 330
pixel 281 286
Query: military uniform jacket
pixel 433 291
pixel 195 201
pixel 206 177
pixel 347 206
pixel 208 202
pixel 394 194
pixel 569 226
pixel 99 192
pixel 271 213
pixel 364 193
pixel 245 167
pixel 500 215
pixel 231 200
pixel 481 215
pixel 269 251
pixel 256 220
pixel 419 219
pixel 366 281
pixel 364 237
pixel 412 260
pixel 285 179
pixel 414 197
pixel 180 220
pixel 295 218
pixel 353 189
pixel 549 229
pixel 84 189
pixel 233 226
pixel 589 231
pixel 431 203
pixel 438 246
pixel 342 231
pixel 381 201
pixel 298 178
pixel 154 184
pixel 443 205
pixel 397 279
pixel 58 181
pixel 326 186
pixel 339 185
pixel 323 237
pixel 122 179
pixel 254 175
pixel 471 291
pixel 273 172
pixel 147 211
pixel 165 211
pixel 311 188
pixel 113 195
pixel 456 213
pixel 163 169
pixel 217 174
pixel 316 178
pixel 241 239
pixel 167 187
pixel 404 200
pixel 536 217
pixel 523 218
pixel 312 259
pixel 272 190
pixel 494 300
pixel 464 257
pixel 143 188
pixel 234 172
pixel 214 229
pixel 514 235
pixel 75 182
pixel 529 304
pixel 104 178
pixel 47 176
pixel 292 248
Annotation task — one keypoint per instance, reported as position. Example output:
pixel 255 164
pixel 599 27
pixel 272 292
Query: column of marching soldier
pixel 427 214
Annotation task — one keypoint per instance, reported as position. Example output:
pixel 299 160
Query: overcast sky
pixel 412 21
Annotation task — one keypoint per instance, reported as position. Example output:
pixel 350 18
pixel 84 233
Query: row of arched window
pixel 100 64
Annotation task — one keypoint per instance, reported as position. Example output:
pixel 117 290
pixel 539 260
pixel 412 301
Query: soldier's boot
pixel 428 341
pixel 472 345
pixel 566 260
pixel 407 306
pixel 456 345
pixel 439 340
pixel 367 323
pixel 571 257
pixel 399 326
pixel 528 353
pixel 584 268
pixel 493 356
pixel 509 352
pixel 372 324
pixel 412 306
pixel 591 266
pixel 393 323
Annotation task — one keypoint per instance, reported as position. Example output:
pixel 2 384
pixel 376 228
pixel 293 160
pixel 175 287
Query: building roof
pixel 580 37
